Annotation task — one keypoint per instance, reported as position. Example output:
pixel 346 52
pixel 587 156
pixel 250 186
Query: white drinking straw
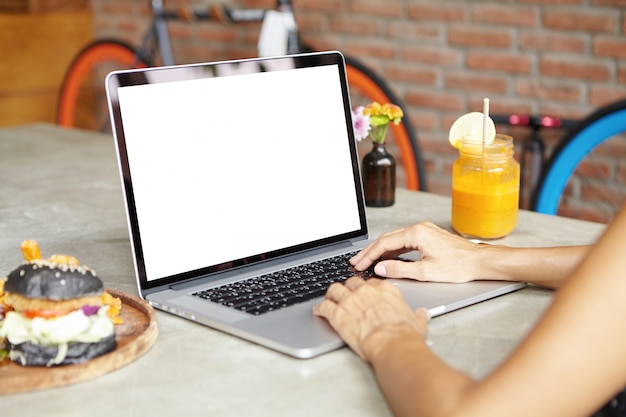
pixel 485 117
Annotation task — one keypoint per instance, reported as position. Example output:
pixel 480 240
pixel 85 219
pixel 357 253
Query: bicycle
pixel 532 155
pixel 581 140
pixel 82 99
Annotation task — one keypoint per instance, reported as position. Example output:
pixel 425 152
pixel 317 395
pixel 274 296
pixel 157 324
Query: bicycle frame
pixel 80 100
pixel 158 28
pixel 533 149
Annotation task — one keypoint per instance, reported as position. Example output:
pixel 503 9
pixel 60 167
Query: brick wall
pixel 554 57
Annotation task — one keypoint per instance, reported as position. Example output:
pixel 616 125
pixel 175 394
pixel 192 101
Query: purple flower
pixel 360 123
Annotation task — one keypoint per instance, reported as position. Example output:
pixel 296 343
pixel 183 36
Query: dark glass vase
pixel 379 177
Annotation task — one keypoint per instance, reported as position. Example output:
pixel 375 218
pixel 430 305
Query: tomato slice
pixel 45 314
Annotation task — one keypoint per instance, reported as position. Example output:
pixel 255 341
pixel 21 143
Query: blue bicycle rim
pixel 579 146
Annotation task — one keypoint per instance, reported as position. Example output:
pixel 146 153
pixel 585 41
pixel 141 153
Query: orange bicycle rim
pixel 373 92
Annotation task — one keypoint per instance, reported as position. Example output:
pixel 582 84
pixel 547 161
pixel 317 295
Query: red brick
pixel 509 15
pixel 609 3
pixel 594 169
pixel 614 147
pixel 361 26
pixel 580 20
pixel 314 22
pixel 594 215
pixel 476 82
pixel 431 55
pixel 440 186
pixel 571 68
pixel 217 33
pixel 506 107
pixel 316 5
pixel 180 31
pixel 387 8
pixel 404 72
pixel 414 32
pixel 371 49
pixel 621 74
pixel 434 100
pixel 546 90
pixel 601 95
pixel 124 8
pixel 621 173
pixel 436 12
pixel 552 42
pixel 319 43
pixel 515 64
pixel 424 120
pixel 610 47
pixel 599 192
pixel 551 2
pixel 476 37
pixel 263 4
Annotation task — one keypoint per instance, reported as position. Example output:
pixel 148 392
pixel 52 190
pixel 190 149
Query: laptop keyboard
pixel 282 289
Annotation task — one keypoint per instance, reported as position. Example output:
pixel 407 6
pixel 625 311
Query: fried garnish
pixel 115 305
pixel 30 250
pixel 64 260
pixel 2 303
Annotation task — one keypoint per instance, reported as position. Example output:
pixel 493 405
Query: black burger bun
pixel 51 281
pixel 32 354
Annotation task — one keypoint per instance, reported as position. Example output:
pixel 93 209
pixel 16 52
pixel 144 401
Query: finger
pixel 325 309
pixel 423 314
pixel 336 292
pixel 354 283
pixel 400 269
pixel 363 252
pixel 389 243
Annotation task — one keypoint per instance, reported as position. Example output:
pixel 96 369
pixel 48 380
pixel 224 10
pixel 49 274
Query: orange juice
pixel 485 189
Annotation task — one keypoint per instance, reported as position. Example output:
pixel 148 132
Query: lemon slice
pixel 470 127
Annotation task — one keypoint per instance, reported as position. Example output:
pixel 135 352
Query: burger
pixel 55 312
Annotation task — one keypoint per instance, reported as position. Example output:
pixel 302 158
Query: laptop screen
pixel 231 163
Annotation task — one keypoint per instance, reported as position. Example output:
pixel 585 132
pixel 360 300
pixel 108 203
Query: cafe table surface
pixel 61 187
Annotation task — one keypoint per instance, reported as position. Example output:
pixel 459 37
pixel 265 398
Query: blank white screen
pixel 230 167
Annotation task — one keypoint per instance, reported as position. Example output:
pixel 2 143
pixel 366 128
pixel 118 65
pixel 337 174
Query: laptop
pixel 240 175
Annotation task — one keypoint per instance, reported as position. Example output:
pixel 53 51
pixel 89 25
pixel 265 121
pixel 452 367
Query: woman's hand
pixel 368 314
pixel 444 256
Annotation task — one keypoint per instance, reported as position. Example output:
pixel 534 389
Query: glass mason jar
pixel 485 189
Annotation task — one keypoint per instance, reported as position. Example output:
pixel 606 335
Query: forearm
pixel 414 381
pixel 548 267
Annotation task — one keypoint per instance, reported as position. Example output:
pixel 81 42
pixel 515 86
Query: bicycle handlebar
pixel 533 121
pixel 215 12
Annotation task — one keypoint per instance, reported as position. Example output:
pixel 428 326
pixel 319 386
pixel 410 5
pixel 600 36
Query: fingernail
pixel 380 270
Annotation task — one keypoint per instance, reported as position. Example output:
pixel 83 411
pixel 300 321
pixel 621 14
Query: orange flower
pixel 393 112
pixel 380 115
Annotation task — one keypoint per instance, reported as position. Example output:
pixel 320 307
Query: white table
pixel 61 187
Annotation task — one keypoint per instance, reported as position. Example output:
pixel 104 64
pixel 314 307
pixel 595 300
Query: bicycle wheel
pixel 82 99
pixel 602 125
pixel 366 86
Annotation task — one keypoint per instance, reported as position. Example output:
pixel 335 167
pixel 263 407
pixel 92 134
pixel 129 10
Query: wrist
pixel 381 343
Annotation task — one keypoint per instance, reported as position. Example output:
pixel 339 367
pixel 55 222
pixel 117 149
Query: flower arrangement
pixel 374 119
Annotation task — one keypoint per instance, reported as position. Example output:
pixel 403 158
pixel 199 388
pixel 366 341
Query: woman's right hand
pixel 444 257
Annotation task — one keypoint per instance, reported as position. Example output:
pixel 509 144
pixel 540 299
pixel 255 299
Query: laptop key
pixel 274 291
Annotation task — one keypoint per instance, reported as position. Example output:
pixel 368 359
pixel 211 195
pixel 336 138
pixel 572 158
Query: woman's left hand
pixel 366 314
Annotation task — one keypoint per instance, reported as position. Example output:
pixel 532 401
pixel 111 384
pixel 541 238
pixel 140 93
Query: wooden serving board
pixel 134 337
